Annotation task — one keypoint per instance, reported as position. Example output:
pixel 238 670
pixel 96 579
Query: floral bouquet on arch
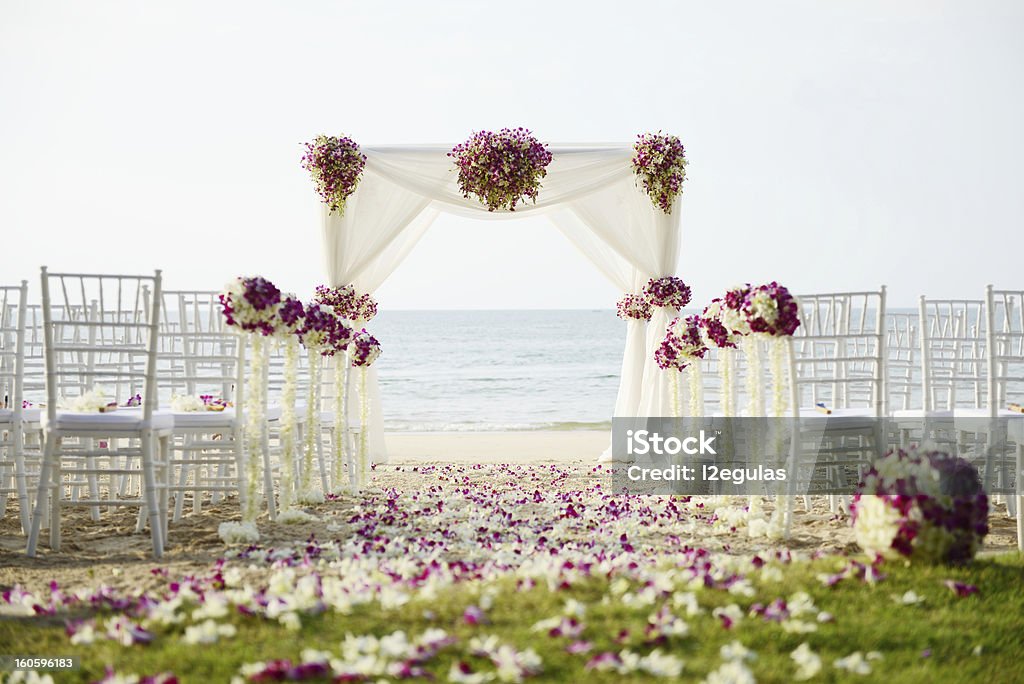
pixel 922 505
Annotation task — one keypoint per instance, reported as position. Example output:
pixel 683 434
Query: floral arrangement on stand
pixel 659 161
pixel 292 315
pixel 358 309
pixel 922 505
pixel 501 169
pixel 322 334
pixel 681 350
pixel 252 305
pixel 365 349
pixel 633 307
pixel 336 165
pixel 717 333
pixel 772 313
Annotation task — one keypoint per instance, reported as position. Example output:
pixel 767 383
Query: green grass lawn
pixel 944 638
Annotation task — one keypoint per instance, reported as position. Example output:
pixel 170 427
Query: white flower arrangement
pixel 295 516
pixel 92 401
pixel 186 403
pixel 238 532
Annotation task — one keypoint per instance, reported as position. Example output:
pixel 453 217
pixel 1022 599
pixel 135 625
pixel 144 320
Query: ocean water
pixel 498 370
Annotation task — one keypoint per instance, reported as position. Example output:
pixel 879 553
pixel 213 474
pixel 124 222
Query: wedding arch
pixel 589 192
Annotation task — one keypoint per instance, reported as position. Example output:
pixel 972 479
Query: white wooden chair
pixel 199 355
pixel 837 393
pixel 13 414
pixel 117 352
pixel 1004 463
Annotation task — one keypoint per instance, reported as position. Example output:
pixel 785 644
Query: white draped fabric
pixel 589 193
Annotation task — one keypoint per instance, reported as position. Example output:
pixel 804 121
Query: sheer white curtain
pixel 589 193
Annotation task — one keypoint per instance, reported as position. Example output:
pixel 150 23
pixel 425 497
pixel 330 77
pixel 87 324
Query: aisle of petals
pixel 471 540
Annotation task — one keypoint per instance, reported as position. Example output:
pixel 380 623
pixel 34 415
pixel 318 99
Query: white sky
pixel 832 145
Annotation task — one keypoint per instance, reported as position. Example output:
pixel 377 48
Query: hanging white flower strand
pixel 307 493
pixel 251 305
pixel 292 314
pixel 364 350
pixel 255 424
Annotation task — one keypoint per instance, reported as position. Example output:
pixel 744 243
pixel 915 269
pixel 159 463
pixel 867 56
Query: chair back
pixel 12 348
pixel 953 365
pixel 100 330
pixel 903 373
pixel 838 354
pixel 1004 313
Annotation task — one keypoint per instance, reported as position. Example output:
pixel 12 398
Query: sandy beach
pixel 109 550
pixel 537 446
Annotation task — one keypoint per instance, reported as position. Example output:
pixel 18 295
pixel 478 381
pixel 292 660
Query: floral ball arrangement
pixel 922 505
pixel 346 302
pixel 291 314
pixel 364 350
pixel 501 169
pixel 251 304
pixel 669 292
pixel 660 163
pixel 322 331
pixel 633 307
pixel 733 313
pixel 713 331
pixel 771 310
pixel 682 344
pixel 336 165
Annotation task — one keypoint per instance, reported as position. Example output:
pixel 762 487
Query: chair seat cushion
pixel 29 415
pixel 205 419
pixel 121 420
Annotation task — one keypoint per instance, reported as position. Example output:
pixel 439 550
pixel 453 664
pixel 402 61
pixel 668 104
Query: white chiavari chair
pixel 200 356
pixel 1004 314
pixel 837 397
pixel 112 348
pixel 14 414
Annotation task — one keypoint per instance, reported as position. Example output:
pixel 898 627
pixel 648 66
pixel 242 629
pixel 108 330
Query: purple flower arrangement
pixel 669 292
pixel 346 302
pixel 713 330
pixel 364 349
pixel 251 304
pixel 323 331
pixel 771 310
pixel 923 505
pixel 501 169
pixel 633 307
pixel 336 165
pixel 682 344
pixel 660 162
pixel 291 313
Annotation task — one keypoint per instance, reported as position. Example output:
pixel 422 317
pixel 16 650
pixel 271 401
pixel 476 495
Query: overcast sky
pixel 832 145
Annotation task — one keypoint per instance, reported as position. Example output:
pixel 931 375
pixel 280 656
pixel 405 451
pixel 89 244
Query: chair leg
pixel 149 492
pixel 179 496
pixel 49 455
pixel 21 482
